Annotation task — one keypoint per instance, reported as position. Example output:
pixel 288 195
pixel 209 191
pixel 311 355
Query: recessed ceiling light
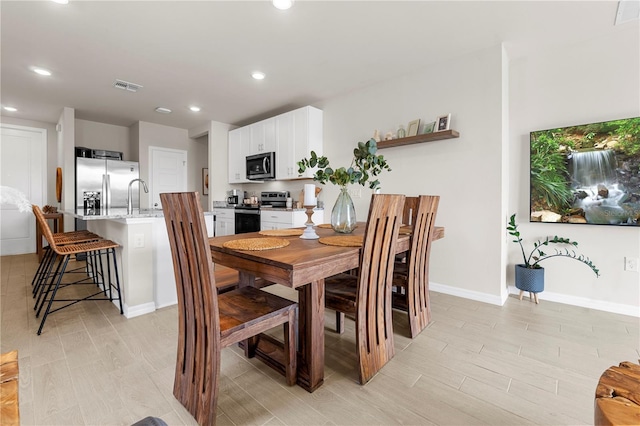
pixel 41 71
pixel 61 1
pixel 163 110
pixel 12 109
pixel 194 108
pixel 258 75
pixel 282 4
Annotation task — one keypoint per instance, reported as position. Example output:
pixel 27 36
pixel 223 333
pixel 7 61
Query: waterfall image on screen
pixel 587 174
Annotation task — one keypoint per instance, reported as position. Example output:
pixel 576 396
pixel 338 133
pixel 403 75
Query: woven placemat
pixel 256 244
pixel 343 240
pixel 290 232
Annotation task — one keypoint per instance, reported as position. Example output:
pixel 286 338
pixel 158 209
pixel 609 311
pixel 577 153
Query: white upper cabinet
pixel 239 140
pixel 285 155
pixel 263 136
pixel 298 133
pixel 292 136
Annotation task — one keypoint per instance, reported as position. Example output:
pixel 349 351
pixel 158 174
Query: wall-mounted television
pixel 586 174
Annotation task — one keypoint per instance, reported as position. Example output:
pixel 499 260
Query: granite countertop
pixel 118 213
pixel 224 205
pixel 284 209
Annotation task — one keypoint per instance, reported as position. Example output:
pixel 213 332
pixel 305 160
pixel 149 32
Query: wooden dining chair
pixel 408 219
pixel 411 278
pixel 208 321
pixel 367 295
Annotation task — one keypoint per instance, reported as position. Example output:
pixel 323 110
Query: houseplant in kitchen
pixel 529 274
pixel 365 166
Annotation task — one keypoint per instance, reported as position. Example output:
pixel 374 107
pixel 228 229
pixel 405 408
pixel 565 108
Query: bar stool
pixel 61 238
pixel 52 282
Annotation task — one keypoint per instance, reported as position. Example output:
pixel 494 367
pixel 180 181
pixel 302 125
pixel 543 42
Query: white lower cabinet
pixel 281 219
pixel 225 222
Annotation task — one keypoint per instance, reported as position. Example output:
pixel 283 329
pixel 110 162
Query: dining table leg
pixel 311 335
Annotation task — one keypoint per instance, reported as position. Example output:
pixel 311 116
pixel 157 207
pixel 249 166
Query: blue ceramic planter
pixel 529 279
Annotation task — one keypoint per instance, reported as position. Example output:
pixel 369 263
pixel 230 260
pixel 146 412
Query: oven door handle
pixel 256 212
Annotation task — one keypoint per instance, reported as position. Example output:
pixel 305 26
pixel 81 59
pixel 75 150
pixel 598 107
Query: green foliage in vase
pixel 549 175
pixel 533 259
pixel 365 166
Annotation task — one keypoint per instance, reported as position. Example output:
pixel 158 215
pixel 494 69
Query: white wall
pixel 200 161
pixel 218 134
pixel 593 81
pixel 91 134
pixel 66 160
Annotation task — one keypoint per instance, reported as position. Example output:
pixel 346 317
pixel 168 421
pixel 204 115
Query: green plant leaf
pixel 364 165
pixel 537 255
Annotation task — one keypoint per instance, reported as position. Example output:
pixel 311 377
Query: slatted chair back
pixel 373 318
pixel 410 210
pixel 419 307
pixel 198 359
pixel 44 226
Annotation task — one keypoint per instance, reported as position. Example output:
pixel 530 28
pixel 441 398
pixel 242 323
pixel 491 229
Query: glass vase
pixel 343 215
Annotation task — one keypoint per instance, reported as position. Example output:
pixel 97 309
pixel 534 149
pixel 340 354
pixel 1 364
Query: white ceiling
pixel 203 52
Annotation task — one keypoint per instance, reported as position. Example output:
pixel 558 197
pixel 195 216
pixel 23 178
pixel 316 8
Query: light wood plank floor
pixel 475 364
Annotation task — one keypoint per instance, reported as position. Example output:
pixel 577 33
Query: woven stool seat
pixel 85 247
pixel 75 237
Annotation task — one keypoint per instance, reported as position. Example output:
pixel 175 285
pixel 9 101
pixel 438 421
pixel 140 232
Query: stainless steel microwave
pixel 261 166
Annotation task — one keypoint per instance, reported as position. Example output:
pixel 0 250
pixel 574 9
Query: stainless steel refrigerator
pixel 108 177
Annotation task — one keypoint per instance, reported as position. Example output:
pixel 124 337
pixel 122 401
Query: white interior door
pixel 168 172
pixel 23 162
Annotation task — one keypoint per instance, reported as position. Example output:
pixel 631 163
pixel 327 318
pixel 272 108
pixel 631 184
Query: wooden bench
pixel 9 410
pixel 618 396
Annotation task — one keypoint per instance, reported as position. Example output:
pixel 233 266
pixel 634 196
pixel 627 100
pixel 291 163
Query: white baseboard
pixel 466 294
pixel 137 310
pixel 164 305
pixel 583 302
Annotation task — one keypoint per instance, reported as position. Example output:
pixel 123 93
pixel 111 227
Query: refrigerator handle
pixel 106 186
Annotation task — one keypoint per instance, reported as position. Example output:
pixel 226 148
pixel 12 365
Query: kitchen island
pixel 144 259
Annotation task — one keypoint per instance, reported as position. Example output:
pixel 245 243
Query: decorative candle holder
pixel 309 233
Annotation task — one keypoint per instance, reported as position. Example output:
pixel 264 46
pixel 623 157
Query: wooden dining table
pixel 302 265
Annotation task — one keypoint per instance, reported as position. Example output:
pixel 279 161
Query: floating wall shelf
pixel 427 137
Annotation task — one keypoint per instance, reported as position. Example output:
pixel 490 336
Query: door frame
pixel 43 145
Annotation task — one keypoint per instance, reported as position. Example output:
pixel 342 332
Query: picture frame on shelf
pixel 205 181
pixel 443 122
pixel 428 128
pixel 412 128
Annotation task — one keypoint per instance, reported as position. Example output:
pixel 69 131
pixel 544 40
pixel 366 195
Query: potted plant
pixel 529 274
pixel 365 166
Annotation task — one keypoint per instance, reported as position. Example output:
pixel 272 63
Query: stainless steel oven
pixel 247 218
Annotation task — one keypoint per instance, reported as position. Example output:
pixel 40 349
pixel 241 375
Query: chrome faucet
pixel 130 198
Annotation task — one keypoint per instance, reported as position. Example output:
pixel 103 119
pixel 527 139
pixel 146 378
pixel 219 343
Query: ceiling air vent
pixel 125 85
